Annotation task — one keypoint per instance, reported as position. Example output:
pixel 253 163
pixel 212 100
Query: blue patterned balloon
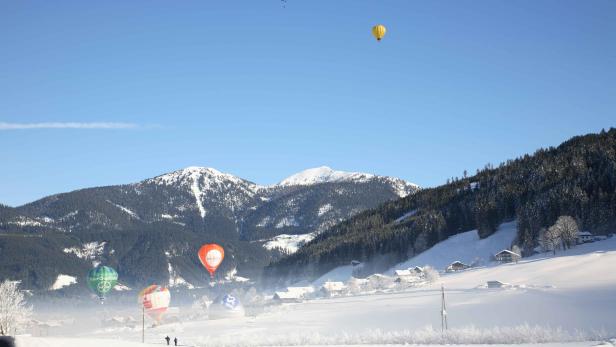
pixel 230 301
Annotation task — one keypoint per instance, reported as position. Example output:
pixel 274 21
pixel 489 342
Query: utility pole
pixel 443 310
pixel 142 324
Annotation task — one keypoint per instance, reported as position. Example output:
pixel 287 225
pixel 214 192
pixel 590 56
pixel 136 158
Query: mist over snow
pixel 562 300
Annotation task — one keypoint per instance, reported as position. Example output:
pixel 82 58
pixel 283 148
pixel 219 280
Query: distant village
pixel 403 278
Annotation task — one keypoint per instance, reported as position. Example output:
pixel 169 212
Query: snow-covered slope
pixel 324 174
pixel 466 247
pixel 63 281
pixel 288 243
pixel 207 184
pixel 583 267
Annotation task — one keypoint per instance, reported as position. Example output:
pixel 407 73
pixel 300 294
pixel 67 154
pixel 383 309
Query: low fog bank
pixel 545 298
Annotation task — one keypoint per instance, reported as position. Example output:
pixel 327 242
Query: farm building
pixel 403 273
pixel 457 266
pixel 287 297
pixel 507 256
pixel 333 288
pixel 380 282
pixel 357 285
pixel 293 294
pixel 408 275
pixel 496 284
pixel 584 236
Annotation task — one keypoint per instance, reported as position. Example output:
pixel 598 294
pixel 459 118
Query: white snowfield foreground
pixel 72 342
pixel 567 300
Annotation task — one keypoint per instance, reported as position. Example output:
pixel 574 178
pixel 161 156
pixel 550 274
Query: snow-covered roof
pixel 301 290
pixel 288 295
pixel 333 286
pixel 507 251
pixel 584 233
pixel 402 272
pixel 496 284
pixel 457 262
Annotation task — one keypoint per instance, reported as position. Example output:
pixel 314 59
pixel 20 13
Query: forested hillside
pixel 150 231
pixel 577 178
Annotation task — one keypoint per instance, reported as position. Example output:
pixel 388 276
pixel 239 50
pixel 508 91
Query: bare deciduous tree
pixel 550 239
pixel 431 275
pixel 13 309
pixel 568 230
pixel 562 233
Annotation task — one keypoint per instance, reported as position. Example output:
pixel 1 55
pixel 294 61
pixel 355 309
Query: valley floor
pixel 565 300
pixel 72 342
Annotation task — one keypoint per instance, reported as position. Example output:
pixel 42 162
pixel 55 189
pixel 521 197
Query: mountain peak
pixel 193 174
pixel 323 174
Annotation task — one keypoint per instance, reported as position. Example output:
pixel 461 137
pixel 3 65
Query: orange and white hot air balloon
pixel 211 255
pixel 155 300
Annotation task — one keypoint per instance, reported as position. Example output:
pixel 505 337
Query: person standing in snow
pixel 167 338
pixel 175 340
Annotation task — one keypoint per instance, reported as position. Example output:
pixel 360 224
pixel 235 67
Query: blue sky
pixel 263 91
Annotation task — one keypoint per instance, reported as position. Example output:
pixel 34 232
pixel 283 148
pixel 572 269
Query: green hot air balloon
pixel 101 279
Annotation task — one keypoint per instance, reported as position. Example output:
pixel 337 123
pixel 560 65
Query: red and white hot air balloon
pixel 211 255
pixel 155 300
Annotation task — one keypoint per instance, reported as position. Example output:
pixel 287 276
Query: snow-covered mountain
pixel 209 187
pixel 324 174
pixel 167 217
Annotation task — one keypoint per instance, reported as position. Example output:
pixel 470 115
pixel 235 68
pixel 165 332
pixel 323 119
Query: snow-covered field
pixel 565 300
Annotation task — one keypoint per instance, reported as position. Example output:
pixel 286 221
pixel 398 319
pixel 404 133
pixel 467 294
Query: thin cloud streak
pixel 67 125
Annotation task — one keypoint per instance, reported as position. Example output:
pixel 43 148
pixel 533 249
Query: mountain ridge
pixel 165 217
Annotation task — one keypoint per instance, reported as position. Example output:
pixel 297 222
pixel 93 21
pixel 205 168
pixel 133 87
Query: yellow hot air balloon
pixel 379 31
